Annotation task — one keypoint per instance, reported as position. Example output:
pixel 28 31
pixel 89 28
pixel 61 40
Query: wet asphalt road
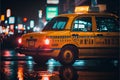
pixel 20 67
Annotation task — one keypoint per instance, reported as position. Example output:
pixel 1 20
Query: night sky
pixel 29 8
pixel 23 8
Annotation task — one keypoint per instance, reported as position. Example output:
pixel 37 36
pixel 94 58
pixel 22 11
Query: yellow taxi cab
pixel 68 37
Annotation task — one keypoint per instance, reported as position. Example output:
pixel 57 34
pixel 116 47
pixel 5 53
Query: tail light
pixel 47 41
pixel 19 40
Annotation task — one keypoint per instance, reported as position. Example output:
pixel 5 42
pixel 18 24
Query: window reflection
pixel 107 24
pixel 56 24
pixel 83 24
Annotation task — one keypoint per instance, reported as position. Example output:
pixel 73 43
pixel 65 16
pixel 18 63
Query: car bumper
pixel 32 50
pixel 38 52
pixel 18 49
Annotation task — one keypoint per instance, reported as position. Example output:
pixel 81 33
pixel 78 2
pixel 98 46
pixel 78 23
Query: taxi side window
pixel 83 24
pixel 107 24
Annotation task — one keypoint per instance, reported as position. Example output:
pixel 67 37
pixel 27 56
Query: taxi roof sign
pixel 81 9
pixel 86 9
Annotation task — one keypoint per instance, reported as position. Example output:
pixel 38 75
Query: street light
pixel 24 19
pixel 8 12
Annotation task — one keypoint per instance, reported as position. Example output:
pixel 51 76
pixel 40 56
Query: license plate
pixel 31 43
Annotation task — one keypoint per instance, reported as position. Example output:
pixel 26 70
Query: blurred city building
pixel 11 24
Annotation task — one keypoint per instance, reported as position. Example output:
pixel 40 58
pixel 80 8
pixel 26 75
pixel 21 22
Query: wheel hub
pixel 68 57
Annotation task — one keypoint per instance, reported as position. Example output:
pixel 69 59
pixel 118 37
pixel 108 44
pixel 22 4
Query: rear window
pixel 107 24
pixel 56 24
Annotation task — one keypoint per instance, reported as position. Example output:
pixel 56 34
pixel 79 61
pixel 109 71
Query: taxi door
pixel 106 37
pixel 83 35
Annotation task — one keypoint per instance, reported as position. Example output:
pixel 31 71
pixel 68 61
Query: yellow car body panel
pixel 90 44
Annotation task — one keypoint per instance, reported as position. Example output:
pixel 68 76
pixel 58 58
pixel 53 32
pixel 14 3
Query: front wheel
pixel 68 55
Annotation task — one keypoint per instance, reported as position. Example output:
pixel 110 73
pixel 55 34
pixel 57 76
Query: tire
pixel 40 61
pixel 68 55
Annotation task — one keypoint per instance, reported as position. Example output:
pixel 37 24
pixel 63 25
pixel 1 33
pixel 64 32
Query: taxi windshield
pixel 57 23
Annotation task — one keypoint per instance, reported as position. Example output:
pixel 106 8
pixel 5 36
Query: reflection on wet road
pixel 27 69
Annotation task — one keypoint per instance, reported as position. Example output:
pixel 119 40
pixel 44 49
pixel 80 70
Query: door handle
pixel 99 34
pixel 75 35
